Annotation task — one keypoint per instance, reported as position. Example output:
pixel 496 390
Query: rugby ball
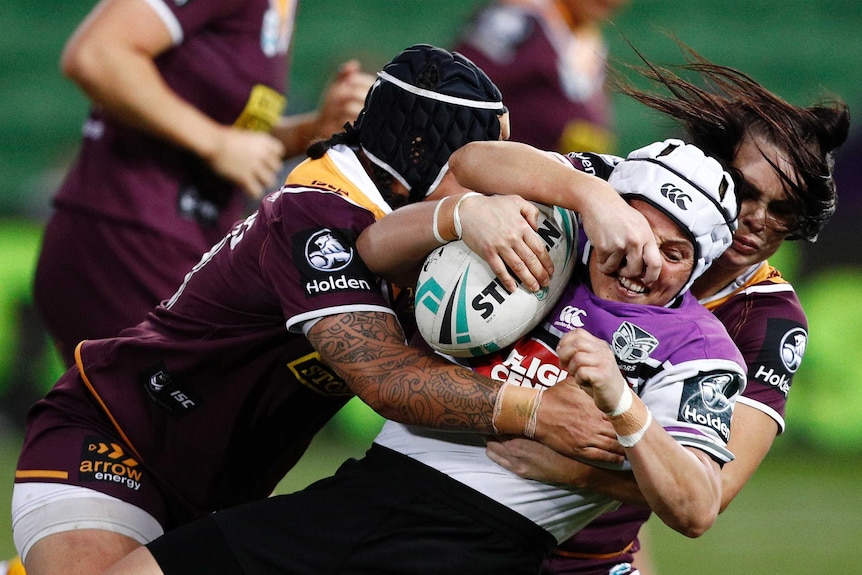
pixel 463 310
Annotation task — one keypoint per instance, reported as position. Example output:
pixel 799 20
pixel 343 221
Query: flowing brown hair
pixel 730 106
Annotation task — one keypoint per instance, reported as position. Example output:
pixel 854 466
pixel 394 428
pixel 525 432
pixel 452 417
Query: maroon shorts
pixel 70 440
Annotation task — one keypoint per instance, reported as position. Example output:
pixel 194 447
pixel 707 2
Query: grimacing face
pixel 765 211
pixel 677 263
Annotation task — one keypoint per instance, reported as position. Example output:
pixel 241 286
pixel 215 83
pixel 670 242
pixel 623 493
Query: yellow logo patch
pixel 262 111
pixel 319 377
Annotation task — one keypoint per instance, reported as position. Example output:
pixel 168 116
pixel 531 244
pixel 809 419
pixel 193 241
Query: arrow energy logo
pixel 103 460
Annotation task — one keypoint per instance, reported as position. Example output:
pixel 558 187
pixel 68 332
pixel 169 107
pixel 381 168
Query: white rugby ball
pixel 463 310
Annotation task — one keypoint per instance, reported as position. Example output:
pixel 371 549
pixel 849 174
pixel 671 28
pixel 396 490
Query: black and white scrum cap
pixel 691 188
pixel 425 104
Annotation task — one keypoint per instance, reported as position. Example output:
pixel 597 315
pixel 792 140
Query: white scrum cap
pixel 691 188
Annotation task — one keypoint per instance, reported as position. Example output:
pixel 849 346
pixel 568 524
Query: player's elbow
pixel 695 529
pixel 692 522
pixel 383 408
pixel 78 64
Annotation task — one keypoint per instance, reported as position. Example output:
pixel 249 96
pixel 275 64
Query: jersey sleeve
pixel 183 18
pixel 599 165
pixel 693 402
pixel 311 259
pixel 770 329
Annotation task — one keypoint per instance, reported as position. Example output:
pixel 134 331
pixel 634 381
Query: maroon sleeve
pixel 310 257
pixel 771 331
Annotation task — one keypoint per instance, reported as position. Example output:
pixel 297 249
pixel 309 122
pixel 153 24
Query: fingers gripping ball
pixel 463 310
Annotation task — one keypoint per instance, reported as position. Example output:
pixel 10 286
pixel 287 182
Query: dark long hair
pixel 731 106
pixel 350 137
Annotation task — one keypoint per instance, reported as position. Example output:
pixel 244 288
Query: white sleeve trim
pixel 770 288
pixel 702 442
pixel 169 19
pixel 765 409
pixel 297 323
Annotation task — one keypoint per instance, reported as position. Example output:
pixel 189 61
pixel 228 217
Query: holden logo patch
pixel 326 253
pixel 675 195
pixel 706 401
pixel 793 348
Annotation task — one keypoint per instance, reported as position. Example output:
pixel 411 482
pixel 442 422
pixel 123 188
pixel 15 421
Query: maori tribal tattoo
pixel 402 383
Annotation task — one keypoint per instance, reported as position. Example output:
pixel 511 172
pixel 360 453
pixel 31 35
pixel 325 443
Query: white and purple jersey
pixel 765 319
pixel 680 361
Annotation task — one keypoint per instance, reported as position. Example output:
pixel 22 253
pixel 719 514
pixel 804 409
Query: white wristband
pixel 623 405
pixel 456 215
pixel 632 440
pixel 437 235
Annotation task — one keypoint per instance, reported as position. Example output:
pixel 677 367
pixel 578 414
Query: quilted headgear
pixel 425 104
pixel 691 188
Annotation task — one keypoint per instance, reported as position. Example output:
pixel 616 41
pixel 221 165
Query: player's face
pixel 765 212
pixel 677 263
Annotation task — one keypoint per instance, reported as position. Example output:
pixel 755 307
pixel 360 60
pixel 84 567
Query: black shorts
pixel 385 513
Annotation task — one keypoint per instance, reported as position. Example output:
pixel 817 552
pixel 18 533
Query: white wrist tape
pixel 623 405
pixel 632 439
pixel 456 215
pixel 434 224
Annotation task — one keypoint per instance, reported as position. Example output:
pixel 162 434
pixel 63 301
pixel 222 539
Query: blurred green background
pixel 800 513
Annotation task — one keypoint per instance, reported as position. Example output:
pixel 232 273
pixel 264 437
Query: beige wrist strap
pixel 516 410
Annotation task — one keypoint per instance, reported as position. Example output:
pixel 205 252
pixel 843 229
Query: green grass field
pixel 799 515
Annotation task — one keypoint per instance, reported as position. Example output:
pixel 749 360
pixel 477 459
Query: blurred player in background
pixel 186 127
pixel 783 155
pixel 549 58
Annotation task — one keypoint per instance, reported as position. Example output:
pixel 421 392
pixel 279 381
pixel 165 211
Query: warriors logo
pixel 632 344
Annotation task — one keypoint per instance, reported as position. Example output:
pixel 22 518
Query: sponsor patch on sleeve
pixel 107 461
pixel 707 400
pixel 311 372
pixel 781 354
pixel 328 262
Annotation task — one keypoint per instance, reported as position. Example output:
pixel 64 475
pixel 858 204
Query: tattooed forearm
pixel 401 383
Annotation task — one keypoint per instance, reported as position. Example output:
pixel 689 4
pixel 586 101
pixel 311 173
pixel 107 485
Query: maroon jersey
pixel 553 79
pixel 135 213
pixel 764 317
pixel 218 393
pixel 230 62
